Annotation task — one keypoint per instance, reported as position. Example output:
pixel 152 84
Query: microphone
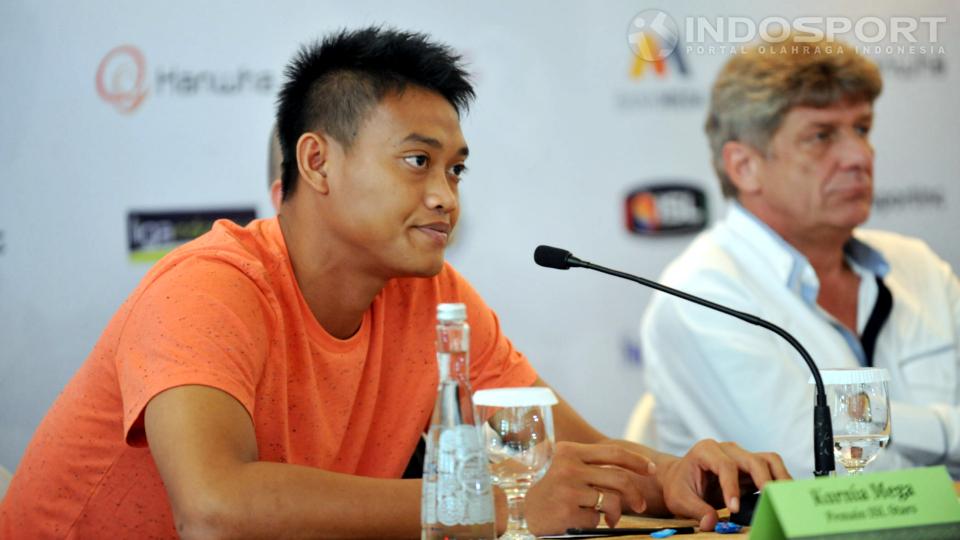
pixel 562 259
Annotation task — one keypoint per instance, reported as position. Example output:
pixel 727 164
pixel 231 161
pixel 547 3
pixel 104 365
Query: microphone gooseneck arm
pixel 822 430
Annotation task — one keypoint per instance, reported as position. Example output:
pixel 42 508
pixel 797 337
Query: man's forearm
pixel 278 500
pixel 656 456
pixel 921 435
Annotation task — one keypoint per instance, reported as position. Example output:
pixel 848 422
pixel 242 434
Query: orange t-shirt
pixel 225 311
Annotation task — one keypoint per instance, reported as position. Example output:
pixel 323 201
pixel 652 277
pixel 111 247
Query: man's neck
pixel 839 288
pixel 824 252
pixel 337 293
pixel 822 247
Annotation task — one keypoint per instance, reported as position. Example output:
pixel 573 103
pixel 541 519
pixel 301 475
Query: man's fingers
pixel 625 483
pixel 757 467
pixel 611 507
pixel 709 521
pixel 612 518
pixel 686 482
pixel 607 502
pixel 729 476
pixel 689 504
pixel 763 467
pixel 584 518
pixel 776 465
pixel 608 454
pixel 714 458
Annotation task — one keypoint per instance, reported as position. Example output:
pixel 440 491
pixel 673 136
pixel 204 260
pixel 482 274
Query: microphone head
pixel 552 257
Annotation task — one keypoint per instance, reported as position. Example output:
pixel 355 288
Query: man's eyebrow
pixel 834 123
pixel 429 141
pixel 432 142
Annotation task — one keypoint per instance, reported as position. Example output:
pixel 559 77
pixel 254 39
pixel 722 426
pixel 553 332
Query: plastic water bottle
pixel 457 501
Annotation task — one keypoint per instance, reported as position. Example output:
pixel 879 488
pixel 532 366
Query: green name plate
pixel 914 503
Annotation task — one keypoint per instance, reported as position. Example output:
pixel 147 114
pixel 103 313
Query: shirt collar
pixel 860 253
pixel 790 266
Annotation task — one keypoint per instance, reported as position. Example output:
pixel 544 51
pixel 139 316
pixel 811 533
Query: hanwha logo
pixel 120 78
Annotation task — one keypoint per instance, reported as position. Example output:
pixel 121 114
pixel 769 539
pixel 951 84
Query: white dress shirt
pixel 717 377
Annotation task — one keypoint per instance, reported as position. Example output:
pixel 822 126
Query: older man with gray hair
pixel 789 127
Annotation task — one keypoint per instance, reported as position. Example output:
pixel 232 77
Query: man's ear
pixel 312 152
pixel 742 164
pixel 276 194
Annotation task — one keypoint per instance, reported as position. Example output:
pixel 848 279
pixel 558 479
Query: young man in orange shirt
pixel 274 380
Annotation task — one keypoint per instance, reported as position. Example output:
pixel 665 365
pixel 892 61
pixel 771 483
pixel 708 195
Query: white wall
pixel 559 134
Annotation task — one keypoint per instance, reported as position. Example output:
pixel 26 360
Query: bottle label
pixel 428 508
pixel 463 481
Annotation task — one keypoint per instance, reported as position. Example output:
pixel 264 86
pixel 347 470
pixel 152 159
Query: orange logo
pixel 120 78
pixel 642 212
pixel 650 54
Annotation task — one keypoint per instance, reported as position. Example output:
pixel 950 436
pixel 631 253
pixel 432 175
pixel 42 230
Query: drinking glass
pixel 518 433
pixel 860 413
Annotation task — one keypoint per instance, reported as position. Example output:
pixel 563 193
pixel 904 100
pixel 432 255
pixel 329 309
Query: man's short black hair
pixel 331 85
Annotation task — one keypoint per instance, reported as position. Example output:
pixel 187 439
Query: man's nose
pixel 856 151
pixel 441 193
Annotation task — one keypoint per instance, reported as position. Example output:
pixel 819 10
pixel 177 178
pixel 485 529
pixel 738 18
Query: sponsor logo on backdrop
pixel 654 39
pixel 658 70
pixel 121 77
pixel 666 208
pixel 124 80
pixel 910 198
pixel 912 67
pixel 153 234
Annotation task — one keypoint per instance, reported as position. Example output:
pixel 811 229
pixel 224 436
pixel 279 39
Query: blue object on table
pixel 665 533
pixel 725 527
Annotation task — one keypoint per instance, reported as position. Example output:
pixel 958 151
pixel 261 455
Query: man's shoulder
pixel 716 267
pixel 912 262
pixel 893 245
pixel 708 255
pixel 228 267
pixel 227 248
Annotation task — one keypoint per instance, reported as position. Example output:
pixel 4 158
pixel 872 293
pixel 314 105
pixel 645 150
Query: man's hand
pixel 711 475
pixel 567 494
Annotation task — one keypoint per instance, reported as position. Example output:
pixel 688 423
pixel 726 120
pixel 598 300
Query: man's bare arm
pixel 204 445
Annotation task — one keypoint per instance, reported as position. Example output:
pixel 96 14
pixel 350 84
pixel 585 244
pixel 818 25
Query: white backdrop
pixel 559 135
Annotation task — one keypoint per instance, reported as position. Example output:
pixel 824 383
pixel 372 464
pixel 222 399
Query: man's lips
pixel 849 186
pixel 439 232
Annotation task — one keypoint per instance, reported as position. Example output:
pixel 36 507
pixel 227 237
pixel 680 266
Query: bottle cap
pixel 451 312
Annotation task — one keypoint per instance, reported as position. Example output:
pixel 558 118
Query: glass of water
pixel 860 413
pixel 517 426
